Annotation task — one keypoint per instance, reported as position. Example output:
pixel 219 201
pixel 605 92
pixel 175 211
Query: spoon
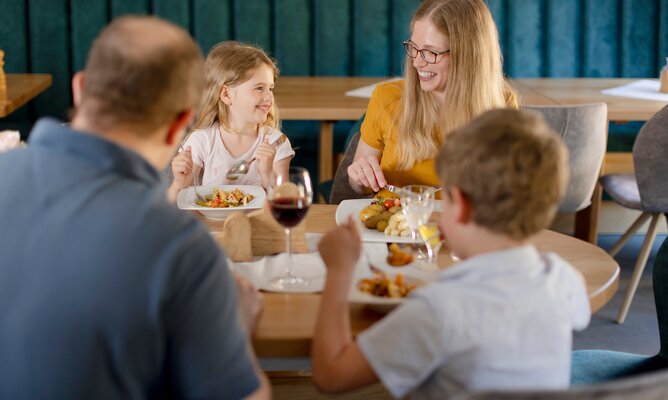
pixel 241 167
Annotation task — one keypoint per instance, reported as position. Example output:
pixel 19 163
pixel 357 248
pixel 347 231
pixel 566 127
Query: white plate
pixel 380 304
pixel 186 200
pixel 354 206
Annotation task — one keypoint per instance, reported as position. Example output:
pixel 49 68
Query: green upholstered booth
pixel 553 38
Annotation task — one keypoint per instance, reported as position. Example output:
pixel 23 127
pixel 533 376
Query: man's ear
pixel 462 205
pixel 178 125
pixel 77 87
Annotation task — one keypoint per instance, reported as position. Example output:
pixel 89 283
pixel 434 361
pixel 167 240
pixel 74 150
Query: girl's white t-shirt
pixel 209 152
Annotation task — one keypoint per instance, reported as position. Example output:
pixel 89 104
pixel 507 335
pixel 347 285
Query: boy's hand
pixel 250 303
pixel 265 159
pixel 182 166
pixel 341 247
pixel 366 173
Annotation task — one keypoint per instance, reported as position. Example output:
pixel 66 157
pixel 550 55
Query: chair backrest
pixel 650 161
pixel 341 189
pixel 650 386
pixel 584 129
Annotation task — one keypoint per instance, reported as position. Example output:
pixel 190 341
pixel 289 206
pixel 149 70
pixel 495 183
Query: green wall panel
pixel 524 50
pixel 212 22
pixel 50 53
pixel 498 10
pixel 371 37
pixel 176 11
pixel 402 12
pixel 563 22
pixel 601 38
pixel 332 38
pixel 292 33
pixel 87 20
pixel 639 38
pixel 121 7
pixel 253 22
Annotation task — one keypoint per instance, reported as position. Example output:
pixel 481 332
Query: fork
pixel 198 197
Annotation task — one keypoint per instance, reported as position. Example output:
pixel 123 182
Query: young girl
pixel 237 121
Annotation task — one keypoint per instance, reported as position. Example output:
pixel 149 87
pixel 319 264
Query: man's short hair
pixel 511 166
pixel 141 71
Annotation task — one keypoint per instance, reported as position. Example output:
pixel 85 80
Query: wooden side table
pixel 22 88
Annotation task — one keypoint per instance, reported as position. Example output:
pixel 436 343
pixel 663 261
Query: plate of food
pixel 382 291
pixel 381 218
pixel 221 200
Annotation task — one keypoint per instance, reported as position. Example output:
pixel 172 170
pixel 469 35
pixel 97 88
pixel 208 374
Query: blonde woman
pixel 238 120
pixel 453 72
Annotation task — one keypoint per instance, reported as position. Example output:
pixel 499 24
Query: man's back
pixel 106 290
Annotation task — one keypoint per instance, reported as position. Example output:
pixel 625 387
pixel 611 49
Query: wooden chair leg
pixel 639 268
pixel 629 232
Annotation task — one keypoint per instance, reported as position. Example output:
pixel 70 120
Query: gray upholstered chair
pixel 646 191
pixel 652 386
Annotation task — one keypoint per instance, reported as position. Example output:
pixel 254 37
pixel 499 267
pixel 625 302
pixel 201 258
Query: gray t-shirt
pixel 106 290
pixel 501 320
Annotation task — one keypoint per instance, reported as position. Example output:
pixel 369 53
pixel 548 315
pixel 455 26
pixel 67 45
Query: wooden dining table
pixel 287 323
pixel 22 88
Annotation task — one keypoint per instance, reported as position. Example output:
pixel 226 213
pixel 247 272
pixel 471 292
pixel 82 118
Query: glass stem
pixel 288 246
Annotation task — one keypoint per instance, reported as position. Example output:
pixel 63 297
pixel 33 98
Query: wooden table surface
pixel 323 99
pixel 288 320
pixel 21 88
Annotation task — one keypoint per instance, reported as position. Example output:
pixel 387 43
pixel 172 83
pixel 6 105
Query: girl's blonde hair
pixel 475 79
pixel 230 63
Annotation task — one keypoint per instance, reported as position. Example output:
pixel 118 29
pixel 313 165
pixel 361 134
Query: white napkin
pixel 645 89
pixel 9 140
pixel 309 265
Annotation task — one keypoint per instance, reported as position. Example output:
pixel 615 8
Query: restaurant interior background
pixel 539 38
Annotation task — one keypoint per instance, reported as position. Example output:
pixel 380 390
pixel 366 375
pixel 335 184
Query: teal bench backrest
pixel 561 38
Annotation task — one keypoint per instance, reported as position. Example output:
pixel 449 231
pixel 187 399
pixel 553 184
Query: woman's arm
pixel 364 174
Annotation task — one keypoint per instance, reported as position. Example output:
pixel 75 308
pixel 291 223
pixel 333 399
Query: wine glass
pixel 417 203
pixel 289 198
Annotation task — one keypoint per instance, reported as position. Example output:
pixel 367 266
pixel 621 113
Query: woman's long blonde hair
pixel 230 63
pixel 475 79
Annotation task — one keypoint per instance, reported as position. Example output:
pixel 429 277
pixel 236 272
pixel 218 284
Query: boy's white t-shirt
pixel 209 152
pixel 501 320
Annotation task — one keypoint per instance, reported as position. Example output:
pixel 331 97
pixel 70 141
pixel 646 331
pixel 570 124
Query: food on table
pixel 398 257
pixel 398 226
pixel 382 285
pixel 378 214
pixel 221 199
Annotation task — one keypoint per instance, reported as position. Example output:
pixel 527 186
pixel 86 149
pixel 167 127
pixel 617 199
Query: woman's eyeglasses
pixel 430 56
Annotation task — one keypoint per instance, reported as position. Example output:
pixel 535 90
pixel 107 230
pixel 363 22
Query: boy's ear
pixel 77 87
pixel 178 126
pixel 225 95
pixel 462 205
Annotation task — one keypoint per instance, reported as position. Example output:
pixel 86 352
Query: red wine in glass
pixel 289 211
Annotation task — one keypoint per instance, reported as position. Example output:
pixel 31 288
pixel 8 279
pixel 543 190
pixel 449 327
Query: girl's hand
pixel 182 166
pixel 264 155
pixel 365 172
pixel 341 247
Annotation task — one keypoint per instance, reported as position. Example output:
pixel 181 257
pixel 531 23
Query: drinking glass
pixel 417 203
pixel 433 240
pixel 289 198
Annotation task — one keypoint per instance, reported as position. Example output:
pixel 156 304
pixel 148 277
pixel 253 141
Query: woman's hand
pixel 365 172
pixel 182 166
pixel 264 155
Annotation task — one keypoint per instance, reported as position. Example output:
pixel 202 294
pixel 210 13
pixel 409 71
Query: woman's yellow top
pixel 379 130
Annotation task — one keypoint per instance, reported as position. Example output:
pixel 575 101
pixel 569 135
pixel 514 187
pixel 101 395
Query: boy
pixel 501 318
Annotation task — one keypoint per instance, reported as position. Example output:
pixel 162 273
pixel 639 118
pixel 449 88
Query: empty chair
pixel 646 191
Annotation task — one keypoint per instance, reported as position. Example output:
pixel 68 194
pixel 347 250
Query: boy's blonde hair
pixel 475 79
pixel 511 166
pixel 231 63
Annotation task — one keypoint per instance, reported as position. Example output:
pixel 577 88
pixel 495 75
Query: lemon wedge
pixel 430 234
